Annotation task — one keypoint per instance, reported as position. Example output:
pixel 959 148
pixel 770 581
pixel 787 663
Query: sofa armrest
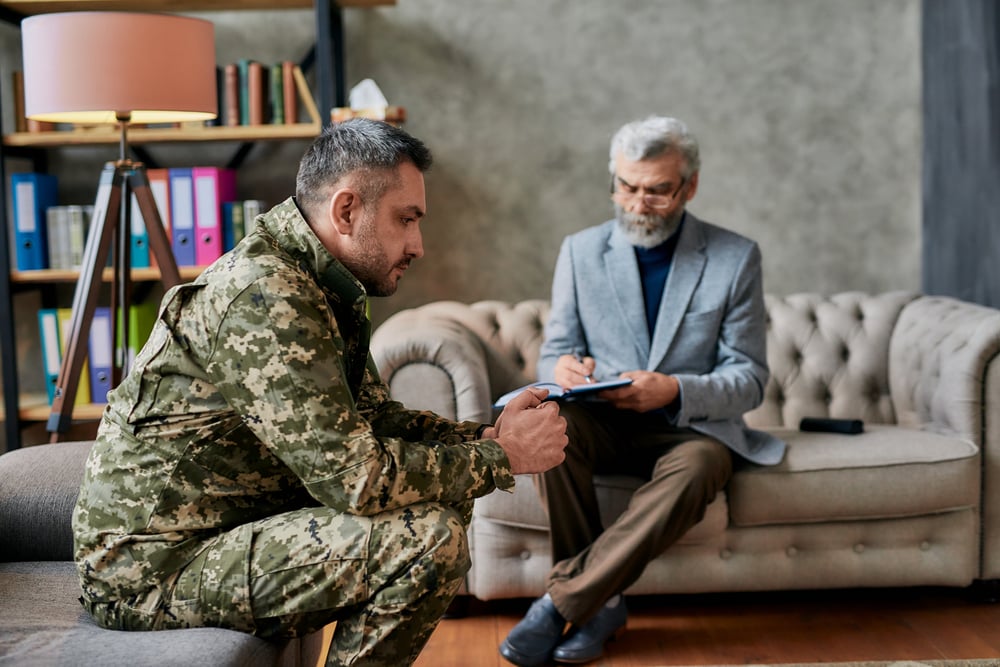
pixel 38 490
pixel 944 375
pixel 433 362
pixel 456 358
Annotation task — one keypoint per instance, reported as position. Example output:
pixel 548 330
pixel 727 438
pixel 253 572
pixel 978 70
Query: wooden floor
pixel 815 626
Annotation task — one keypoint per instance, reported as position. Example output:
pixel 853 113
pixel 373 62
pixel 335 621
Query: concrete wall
pixel 808 112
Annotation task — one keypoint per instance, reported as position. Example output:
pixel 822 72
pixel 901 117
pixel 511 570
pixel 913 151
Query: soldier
pixel 251 471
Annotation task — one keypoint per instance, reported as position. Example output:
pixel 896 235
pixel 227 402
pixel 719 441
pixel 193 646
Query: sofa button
pixel 859 548
pixel 525 555
pixel 725 554
pixel 925 545
pixel 791 551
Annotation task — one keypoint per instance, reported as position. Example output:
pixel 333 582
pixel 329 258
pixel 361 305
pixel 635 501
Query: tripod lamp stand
pixel 115 67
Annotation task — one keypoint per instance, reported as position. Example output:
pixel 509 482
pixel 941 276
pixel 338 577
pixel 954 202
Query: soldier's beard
pixel 371 264
pixel 647 231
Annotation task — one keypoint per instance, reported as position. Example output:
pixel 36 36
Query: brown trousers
pixel 684 470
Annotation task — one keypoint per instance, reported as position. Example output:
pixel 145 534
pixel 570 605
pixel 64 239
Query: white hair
pixel 655 136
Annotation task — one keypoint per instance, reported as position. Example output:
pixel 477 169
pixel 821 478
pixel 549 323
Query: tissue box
pixel 390 114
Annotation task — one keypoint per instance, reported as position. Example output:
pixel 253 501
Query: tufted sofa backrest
pixel 828 355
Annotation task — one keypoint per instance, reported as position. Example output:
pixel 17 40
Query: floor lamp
pixel 122 68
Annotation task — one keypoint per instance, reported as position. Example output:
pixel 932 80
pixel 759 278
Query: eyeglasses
pixel 658 201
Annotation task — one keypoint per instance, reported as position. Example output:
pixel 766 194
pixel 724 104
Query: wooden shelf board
pixel 29 7
pixel 67 276
pixel 137 136
pixel 40 413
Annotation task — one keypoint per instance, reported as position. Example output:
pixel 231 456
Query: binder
pixel 212 187
pixel 233 229
pixel 48 328
pixel 33 194
pixel 159 185
pixel 65 317
pixel 57 236
pixel 182 215
pixel 100 354
pixel 79 223
pixel 251 209
pixel 139 238
pixel 141 318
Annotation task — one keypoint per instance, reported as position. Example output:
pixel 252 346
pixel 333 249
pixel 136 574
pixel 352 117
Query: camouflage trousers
pixel 385 579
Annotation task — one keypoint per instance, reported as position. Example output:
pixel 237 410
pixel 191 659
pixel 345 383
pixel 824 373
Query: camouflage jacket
pixel 255 395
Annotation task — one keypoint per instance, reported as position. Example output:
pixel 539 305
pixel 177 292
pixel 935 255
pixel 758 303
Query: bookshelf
pixel 21 410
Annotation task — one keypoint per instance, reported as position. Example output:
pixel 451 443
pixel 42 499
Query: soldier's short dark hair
pixel 369 147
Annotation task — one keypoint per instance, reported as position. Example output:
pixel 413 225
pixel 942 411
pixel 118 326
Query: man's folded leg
pixel 386 579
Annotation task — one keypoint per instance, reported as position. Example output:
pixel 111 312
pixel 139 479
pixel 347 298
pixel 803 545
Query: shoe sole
pixel 615 636
pixel 510 654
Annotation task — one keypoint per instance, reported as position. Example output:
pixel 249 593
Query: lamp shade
pixel 86 67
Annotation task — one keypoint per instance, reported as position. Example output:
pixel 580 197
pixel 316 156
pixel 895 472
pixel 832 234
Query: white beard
pixel 647 231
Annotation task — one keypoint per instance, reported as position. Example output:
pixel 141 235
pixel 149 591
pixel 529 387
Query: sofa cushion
pixel 35 513
pixel 887 471
pixel 44 624
pixel 523 508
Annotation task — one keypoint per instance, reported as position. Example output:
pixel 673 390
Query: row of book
pixel 197 206
pixel 66 233
pixel 254 93
pixel 95 378
pixel 250 93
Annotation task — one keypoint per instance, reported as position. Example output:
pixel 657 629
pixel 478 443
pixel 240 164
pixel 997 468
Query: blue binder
pixel 101 355
pixel 48 327
pixel 32 194
pixel 139 238
pixel 182 215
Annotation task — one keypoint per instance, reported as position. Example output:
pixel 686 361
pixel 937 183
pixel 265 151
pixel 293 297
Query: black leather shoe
pixel 531 641
pixel 586 643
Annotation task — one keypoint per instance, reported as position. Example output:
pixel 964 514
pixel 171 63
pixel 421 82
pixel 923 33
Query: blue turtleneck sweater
pixel 654 268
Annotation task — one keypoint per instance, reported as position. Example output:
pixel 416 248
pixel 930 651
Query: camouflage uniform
pixel 251 471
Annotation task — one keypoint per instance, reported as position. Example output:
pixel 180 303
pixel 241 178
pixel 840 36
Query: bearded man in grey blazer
pixel 677 305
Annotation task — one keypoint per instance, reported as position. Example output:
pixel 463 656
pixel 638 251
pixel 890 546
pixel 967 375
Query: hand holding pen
pixel 589 370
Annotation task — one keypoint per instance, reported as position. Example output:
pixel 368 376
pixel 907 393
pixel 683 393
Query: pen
pixel 579 357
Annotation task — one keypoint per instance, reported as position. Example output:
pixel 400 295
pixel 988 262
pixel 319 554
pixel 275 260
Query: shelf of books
pixel 239 126
pixel 28 7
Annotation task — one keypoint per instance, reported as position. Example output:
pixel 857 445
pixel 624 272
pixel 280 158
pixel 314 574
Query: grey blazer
pixel 710 332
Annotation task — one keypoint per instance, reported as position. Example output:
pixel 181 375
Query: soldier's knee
pixel 449 541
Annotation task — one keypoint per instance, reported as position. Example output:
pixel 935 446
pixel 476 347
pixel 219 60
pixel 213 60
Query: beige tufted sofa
pixel 914 500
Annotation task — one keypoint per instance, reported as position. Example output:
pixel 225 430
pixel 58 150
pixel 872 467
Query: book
pixel 276 98
pixel 182 215
pixel 212 187
pixel 243 80
pixel 33 193
pixel 290 93
pixel 256 93
pixel 20 121
pixel 231 95
pixel 558 393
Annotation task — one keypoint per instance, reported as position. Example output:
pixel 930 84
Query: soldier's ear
pixel 345 210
